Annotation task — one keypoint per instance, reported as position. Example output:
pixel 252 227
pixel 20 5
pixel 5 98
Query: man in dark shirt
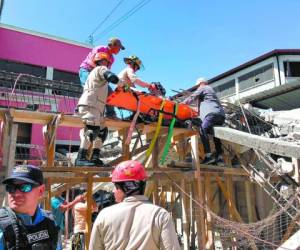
pixel 211 113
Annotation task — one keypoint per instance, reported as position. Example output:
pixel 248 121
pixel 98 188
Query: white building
pixel 268 81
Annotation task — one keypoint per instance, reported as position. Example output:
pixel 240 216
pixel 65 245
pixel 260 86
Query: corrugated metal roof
pixel 283 97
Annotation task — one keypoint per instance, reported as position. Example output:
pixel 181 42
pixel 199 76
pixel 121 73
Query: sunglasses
pixel 24 188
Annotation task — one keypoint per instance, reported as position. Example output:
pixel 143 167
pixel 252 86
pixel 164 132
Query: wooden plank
pixel 155 155
pixel 180 147
pixel 89 210
pixel 193 216
pixel 155 193
pixel 125 147
pixel 13 133
pixel 250 201
pixel 232 209
pixel 36 117
pixel 49 194
pixel 213 169
pixel 78 180
pixel 185 216
pixel 208 198
pixel 269 145
pixel 296 176
pixel 200 220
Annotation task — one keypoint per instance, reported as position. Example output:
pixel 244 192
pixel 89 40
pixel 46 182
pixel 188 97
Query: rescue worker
pixel 58 208
pixel 211 114
pixel 91 107
pixel 23 224
pixel 113 48
pixel 127 76
pixel 80 223
pixel 133 223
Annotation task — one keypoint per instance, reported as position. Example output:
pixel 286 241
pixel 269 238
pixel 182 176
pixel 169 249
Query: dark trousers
pixel 208 123
pixel 78 241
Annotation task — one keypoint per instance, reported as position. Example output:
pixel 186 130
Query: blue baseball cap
pixel 28 173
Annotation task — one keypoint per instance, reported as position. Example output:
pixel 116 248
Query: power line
pixel 104 20
pixel 123 18
pixel 1 7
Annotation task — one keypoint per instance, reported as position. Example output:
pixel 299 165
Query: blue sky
pixel 178 41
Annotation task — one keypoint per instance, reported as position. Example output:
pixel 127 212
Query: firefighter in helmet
pixel 128 77
pixel 149 226
pixel 91 106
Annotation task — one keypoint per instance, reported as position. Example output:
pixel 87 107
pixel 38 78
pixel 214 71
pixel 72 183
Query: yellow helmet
pixel 134 59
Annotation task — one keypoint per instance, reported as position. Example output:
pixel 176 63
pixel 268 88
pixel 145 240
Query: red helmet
pixel 129 171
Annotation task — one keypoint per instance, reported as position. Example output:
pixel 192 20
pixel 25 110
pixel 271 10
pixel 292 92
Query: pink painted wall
pixel 37 50
pixel 33 49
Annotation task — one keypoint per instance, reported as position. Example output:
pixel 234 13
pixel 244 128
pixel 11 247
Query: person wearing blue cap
pixel 23 224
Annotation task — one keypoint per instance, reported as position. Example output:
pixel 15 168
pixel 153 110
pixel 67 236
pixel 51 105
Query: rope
pixel 132 125
pixel 234 226
pixel 170 133
pixel 157 130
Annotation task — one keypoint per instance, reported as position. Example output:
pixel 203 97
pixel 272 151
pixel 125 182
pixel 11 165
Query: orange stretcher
pixel 149 104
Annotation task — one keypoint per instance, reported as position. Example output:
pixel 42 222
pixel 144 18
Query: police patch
pixel 41 235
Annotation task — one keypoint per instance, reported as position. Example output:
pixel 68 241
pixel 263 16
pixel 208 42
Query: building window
pixel 291 69
pixel 225 89
pixel 256 77
pixel 64 76
pixel 18 67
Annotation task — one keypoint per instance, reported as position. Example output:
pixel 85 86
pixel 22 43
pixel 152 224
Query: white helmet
pixel 200 80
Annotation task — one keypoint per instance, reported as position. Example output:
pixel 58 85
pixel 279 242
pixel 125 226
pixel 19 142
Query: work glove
pixel 152 87
pixel 159 89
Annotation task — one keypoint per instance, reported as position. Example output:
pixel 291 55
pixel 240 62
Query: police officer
pixel 133 223
pixel 91 107
pixel 23 224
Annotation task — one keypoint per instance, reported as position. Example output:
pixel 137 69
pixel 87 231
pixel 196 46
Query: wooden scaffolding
pixel 184 188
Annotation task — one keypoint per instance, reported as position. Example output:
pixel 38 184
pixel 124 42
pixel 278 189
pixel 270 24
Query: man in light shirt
pixel 133 223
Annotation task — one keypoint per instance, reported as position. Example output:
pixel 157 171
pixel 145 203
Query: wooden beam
pixel 49 195
pixel 49 139
pixel 89 209
pixel 185 216
pixel 37 117
pixel 9 139
pixel 296 176
pixel 250 201
pixel 269 145
pixel 200 219
pixel 208 198
pixel 232 209
pixel 125 147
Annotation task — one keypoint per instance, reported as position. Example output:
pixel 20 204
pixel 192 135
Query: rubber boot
pixel 81 159
pixel 95 158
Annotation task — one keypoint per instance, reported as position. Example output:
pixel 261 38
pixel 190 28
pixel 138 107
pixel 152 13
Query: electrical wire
pixel 123 18
pixel 1 7
pixel 106 18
